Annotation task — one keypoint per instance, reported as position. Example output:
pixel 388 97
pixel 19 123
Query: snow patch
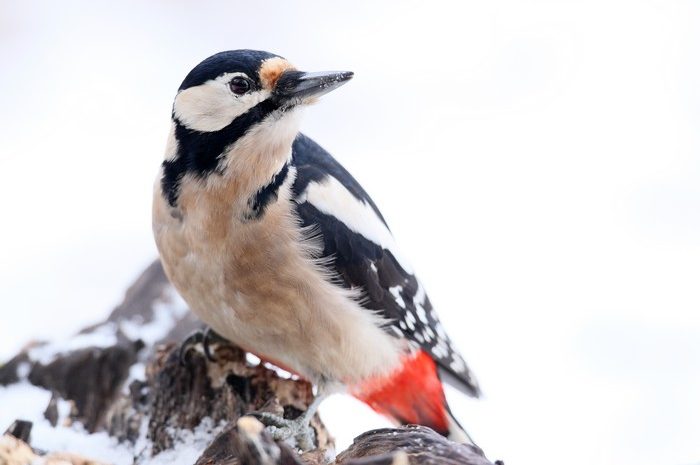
pixel 284 374
pixel 27 402
pixel 137 372
pixel 166 313
pixel 23 370
pixel 189 445
pixel 63 407
pixel 252 359
pixel 102 336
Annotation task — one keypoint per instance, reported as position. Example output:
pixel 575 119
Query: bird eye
pixel 239 85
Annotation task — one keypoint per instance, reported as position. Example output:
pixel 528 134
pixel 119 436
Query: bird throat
pixel 202 153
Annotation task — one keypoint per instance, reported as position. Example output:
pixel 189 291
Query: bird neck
pixel 246 165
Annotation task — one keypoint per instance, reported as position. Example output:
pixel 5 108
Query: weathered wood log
pixel 417 445
pixel 125 377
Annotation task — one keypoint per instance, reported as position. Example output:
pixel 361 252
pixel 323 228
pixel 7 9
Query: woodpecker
pixel 277 248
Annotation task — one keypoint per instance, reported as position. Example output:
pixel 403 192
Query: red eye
pixel 239 85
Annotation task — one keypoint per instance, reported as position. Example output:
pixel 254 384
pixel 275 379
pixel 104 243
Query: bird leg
pixel 207 338
pixel 298 429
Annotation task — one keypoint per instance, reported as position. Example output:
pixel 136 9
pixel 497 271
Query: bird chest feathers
pixel 256 282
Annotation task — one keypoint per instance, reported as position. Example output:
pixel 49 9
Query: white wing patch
pixel 332 198
pixel 396 292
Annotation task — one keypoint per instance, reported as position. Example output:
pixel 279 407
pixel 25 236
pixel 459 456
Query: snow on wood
pixel 119 393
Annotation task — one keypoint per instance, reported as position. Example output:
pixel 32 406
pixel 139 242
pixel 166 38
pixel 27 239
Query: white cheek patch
pixel 329 196
pixel 212 106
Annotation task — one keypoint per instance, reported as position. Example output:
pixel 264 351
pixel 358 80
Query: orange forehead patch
pixel 271 70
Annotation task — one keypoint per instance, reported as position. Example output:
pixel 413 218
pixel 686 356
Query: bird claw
pixel 189 344
pixel 206 338
pixel 296 432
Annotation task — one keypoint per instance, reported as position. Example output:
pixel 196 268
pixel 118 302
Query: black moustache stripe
pixel 200 153
pixel 267 194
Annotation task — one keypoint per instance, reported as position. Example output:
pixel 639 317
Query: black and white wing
pixel 362 252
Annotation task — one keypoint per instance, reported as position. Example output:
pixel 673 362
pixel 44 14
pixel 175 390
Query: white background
pixel 538 161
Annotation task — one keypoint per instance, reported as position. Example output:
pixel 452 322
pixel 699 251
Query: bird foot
pixel 295 432
pixel 206 338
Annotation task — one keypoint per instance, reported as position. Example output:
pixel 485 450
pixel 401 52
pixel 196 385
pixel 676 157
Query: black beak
pixel 297 87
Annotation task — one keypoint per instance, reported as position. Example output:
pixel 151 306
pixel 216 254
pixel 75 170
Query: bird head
pixel 239 106
pixel 237 91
